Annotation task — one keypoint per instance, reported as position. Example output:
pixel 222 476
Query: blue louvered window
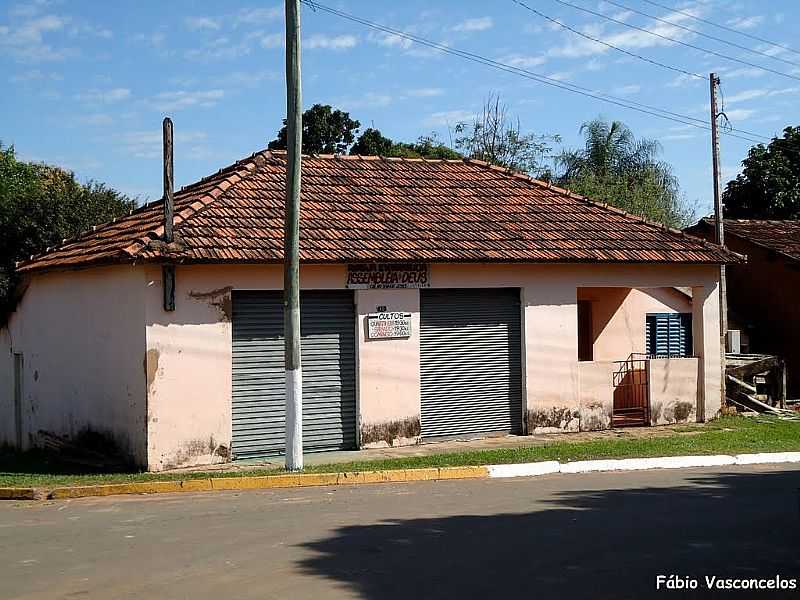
pixel 669 334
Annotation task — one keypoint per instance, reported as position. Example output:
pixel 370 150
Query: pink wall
pixel 82 337
pixel 100 349
pixel 618 316
pixel 673 390
pixel 388 373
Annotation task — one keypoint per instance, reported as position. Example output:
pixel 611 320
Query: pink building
pixel 440 298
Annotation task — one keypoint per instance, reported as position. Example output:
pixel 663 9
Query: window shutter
pixel 668 334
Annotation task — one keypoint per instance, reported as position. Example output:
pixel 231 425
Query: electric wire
pixel 603 97
pixel 700 33
pixel 604 43
pixel 723 27
pixel 676 41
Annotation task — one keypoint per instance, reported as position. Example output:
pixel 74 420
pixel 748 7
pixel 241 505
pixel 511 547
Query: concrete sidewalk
pixel 450 446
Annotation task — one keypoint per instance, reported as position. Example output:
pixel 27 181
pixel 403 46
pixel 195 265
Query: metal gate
pixel 471 361
pixel 328 359
pixel 631 392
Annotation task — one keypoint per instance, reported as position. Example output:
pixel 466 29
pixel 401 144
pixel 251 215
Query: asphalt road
pixel 563 536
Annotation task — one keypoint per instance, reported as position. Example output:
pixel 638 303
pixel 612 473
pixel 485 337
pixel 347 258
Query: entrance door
pixel 328 359
pixel 471 363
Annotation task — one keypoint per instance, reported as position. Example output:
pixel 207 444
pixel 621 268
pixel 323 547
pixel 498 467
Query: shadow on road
pixel 593 544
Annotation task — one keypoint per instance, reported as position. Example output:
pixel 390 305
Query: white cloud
pixel 476 24
pixel 391 40
pixel 424 92
pixel 257 16
pixel 178 100
pixel 104 96
pixel 448 117
pixel 337 42
pixel 97 119
pixel 740 114
pixel 759 93
pixel 148 144
pixel 26 41
pixel 35 75
pixel 627 90
pixel 196 23
pixel 746 22
pixel 221 48
pixel 246 79
pixel 522 61
pixel 368 100
pixel 272 40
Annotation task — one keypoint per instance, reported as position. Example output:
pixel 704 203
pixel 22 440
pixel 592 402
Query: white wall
pixel 7 415
pixel 82 337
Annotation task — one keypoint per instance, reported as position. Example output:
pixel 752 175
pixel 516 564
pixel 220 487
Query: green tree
pixel 769 185
pixel 615 167
pixel 40 205
pixel 373 143
pixel 325 131
pixel 496 138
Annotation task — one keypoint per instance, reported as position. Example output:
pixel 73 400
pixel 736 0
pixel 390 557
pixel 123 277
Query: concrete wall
pixel 8 430
pixel 189 351
pixel 618 317
pixel 388 373
pixel 81 334
pixel 596 391
pixel 673 390
pixel 189 357
pixel 101 351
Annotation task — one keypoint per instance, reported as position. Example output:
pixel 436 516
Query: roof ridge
pixel 251 164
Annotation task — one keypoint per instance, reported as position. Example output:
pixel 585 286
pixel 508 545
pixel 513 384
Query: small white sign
pixel 388 325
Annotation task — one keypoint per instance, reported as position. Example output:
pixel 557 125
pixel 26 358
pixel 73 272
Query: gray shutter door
pixel 470 353
pixel 328 360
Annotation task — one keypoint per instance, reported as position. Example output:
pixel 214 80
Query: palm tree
pixel 615 167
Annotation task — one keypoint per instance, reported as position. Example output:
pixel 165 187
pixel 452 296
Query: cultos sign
pixel 388 325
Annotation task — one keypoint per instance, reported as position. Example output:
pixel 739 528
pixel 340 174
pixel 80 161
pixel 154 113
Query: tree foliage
pixel 373 143
pixel 769 185
pixel 615 167
pixel 40 205
pixel 496 138
pixel 325 131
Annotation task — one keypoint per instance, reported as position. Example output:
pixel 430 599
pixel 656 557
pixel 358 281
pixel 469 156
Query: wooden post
pixel 291 246
pixel 169 202
pixel 719 229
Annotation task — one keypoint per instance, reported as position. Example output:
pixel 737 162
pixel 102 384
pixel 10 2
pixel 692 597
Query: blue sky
pixel 86 84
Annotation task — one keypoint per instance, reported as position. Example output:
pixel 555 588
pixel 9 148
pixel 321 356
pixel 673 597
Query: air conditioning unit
pixel 734 341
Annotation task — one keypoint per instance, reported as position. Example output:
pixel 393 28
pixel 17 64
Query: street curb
pixel 299 480
pixel 245 483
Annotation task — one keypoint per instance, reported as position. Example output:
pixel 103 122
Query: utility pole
pixel 719 229
pixel 291 243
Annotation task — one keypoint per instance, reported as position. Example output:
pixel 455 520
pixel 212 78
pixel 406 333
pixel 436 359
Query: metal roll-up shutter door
pixel 471 364
pixel 328 359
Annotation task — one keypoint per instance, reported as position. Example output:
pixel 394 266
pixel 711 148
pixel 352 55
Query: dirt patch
pixel 390 433
pixel 554 418
pixel 220 299
pixel 151 367
pixel 595 416
pixel 198 452
pixel 682 411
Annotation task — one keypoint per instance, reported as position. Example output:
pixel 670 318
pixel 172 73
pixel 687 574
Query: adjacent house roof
pixel 781 236
pixel 360 209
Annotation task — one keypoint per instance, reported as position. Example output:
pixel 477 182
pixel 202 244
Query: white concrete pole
pixel 291 276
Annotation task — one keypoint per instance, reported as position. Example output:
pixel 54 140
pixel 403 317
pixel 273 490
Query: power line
pixel 604 43
pixel 700 33
pixel 674 41
pixel 629 104
pixel 723 27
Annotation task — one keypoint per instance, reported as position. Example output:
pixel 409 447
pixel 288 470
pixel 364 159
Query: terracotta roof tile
pixel 378 209
pixel 780 236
